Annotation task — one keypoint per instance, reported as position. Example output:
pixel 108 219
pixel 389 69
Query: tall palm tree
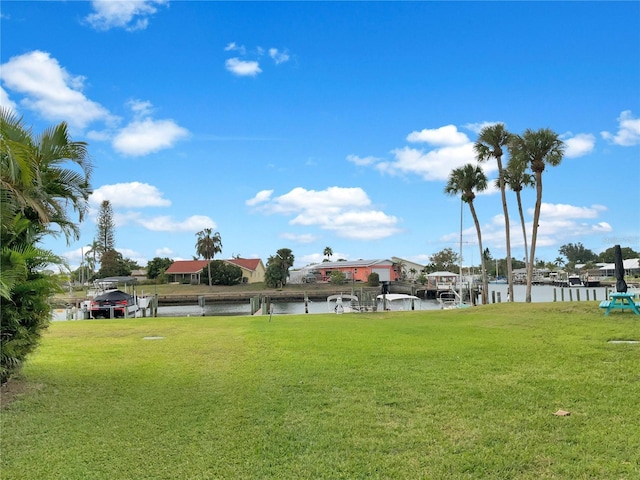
pixel 490 144
pixel 207 246
pixel 466 181
pixel 328 253
pixel 538 148
pixel 516 177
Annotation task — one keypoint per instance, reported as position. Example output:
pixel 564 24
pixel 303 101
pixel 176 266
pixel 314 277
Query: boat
pixel 342 303
pixel 574 281
pixel 396 301
pixel 448 299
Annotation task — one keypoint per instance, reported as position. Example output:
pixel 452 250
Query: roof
pixel 187 266
pixel 352 264
pixel 442 274
pixel 246 263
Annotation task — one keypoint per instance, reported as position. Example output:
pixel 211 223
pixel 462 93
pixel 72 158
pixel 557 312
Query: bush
pixel 373 280
pixel 337 277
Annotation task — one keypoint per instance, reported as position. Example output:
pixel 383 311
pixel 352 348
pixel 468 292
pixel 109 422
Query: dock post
pixel 499 298
pixel 570 295
pixel 587 292
pixel 555 296
pixel 594 294
pixel 578 294
pixel 493 296
pixel 562 293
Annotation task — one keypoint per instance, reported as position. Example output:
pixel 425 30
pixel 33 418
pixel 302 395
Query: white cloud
pixel 50 90
pixel 133 194
pixel 5 101
pixel 446 136
pixel 362 161
pixel 142 137
pixel 164 252
pixel 300 238
pixel 232 47
pixel 278 56
pixel 561 210
pixel 628 131
pixel 242 68
pixel 579 145
pixel 128 14
pixel 344 211
pixel 431 165
pixel 260 197
pixel 477 127
pixel 166 223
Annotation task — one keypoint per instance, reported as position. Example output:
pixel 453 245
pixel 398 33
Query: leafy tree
pixel 577 253
pixel 445 260
pixel 113 264
pixel 223 273
pixel 157 266
pixel 41 178
pixel 466 181
pixel 277 270
pixel 537 149
pixel 608 256
pixel 207 246
pixel 516 177
pixel 337 277
pixel 328 253
pixel 373 280
pixel 106 238
pixel 491 143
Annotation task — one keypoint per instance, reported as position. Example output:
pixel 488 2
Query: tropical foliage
pixel 278 265
pixel 491 143
pixel 537 149
pixel 465 181
pixel 42 177
pixel 207 245
pixel 223 273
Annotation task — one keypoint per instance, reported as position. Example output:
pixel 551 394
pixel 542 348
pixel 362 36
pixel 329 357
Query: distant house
pixel 139 274
pixel 407 267
pixel 186 270
pixel 252 269
pixel 354 270
pixel 631 267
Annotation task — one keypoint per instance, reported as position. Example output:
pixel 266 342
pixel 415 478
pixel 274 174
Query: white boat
pixel 342 303
pixel 397 301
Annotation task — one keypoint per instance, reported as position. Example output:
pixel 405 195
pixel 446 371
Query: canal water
pixel 497 292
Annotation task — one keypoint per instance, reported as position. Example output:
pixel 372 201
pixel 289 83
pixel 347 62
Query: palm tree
pixel 34 181
pixel 36 191
pixel 207 246
pixel 328 253
pixel 538 149
pixel 490 144
pixel 466 181
pixel 517 178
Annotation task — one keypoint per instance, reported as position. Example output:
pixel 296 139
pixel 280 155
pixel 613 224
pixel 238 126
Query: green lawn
pixel 413 395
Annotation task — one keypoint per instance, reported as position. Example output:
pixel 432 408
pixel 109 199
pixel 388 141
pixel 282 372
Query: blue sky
pixel 310 124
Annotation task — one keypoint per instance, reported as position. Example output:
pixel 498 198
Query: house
pixel 188 271
pixel 252 269
pixel 410 270
pixel 140 274
pixel 354 270
pixel 631 268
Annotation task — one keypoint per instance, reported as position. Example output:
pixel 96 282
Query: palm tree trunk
pixel 534 234
pixel 209 273
pixel 485 282
pixel 524 229
pixel 507 230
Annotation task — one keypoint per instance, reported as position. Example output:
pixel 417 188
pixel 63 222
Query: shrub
pixel 373 280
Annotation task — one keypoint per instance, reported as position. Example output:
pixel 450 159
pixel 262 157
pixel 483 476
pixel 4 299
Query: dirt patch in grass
pixel 13 389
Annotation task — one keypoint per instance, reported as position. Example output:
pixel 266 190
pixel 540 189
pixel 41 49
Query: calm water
pixel 539 293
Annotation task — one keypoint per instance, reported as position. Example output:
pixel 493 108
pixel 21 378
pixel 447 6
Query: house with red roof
pixel 188 271
pixel 252 269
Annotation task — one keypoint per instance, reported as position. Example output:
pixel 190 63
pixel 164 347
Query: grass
pixel 445 395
